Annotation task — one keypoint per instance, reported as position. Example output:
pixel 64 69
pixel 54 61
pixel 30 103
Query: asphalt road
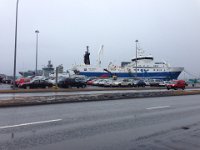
pixel 149 123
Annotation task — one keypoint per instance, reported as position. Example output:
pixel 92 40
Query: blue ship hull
pixel 157 75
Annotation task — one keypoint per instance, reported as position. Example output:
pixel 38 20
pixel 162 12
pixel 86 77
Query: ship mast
pixel 136 41
pixel 100 53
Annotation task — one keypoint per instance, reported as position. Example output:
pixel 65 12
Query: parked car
pixel 147 82
pixel 72 82
pixel 102 82
pixel 90 82
pixel 177 84
pixel 21 80
pixel 7 80
pixel 1 78
pixel 155 82
pixel 108 83
pixel 36 84
pixel 96 82
pixel 90 78
pixel 164 83
pixel 123 83
pixel 117 83
pixel 139 83
pixel 52 80
pixel 127 83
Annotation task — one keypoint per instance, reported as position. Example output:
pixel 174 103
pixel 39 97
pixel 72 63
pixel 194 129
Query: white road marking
pixel 157 107
pixel 31 123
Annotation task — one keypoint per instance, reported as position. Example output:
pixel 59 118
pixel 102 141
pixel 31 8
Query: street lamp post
pixel 36 63
pixel 136 41
pixel 15 51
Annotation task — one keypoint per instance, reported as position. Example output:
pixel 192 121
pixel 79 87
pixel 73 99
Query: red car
pixel 178 84
pixel 90 82
pixel 22 80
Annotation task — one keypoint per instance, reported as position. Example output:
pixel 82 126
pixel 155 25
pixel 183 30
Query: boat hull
pixel 154 75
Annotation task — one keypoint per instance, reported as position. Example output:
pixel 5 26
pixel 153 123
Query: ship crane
pixel 100 53
pixel 111 74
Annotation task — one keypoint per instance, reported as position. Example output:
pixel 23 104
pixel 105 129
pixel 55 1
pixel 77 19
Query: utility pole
pixel 15 51
pixel 36 63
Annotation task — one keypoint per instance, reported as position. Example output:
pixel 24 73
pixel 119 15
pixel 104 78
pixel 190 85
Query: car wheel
pixel 27 87
pixel 46 87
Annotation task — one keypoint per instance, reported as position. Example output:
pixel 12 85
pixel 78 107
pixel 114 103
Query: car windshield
pixel 34 81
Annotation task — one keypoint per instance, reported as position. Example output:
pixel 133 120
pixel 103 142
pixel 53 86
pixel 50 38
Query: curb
pixel 74 90
pixel 42 100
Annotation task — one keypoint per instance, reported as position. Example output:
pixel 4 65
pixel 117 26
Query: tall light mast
pixel 136 41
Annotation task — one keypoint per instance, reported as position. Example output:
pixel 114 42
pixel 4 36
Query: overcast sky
pixel 167 29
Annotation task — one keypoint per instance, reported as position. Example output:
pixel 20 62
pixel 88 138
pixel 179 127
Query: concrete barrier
pixel 73 89
pixel 39 100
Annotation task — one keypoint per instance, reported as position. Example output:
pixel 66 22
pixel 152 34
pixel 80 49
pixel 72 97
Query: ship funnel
pixel 87 56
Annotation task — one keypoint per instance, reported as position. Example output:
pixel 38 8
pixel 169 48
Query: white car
pixel 127 83
pixel 108 83
pixel 102 82
pixel 117 83
pixel 96 83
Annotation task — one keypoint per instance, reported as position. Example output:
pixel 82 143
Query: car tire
pixel 46 87
pixel 27 87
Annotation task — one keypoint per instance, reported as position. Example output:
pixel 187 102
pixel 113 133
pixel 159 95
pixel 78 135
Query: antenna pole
pixel 136 41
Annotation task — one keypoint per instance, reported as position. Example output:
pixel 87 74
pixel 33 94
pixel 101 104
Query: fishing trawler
pixel 142 66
